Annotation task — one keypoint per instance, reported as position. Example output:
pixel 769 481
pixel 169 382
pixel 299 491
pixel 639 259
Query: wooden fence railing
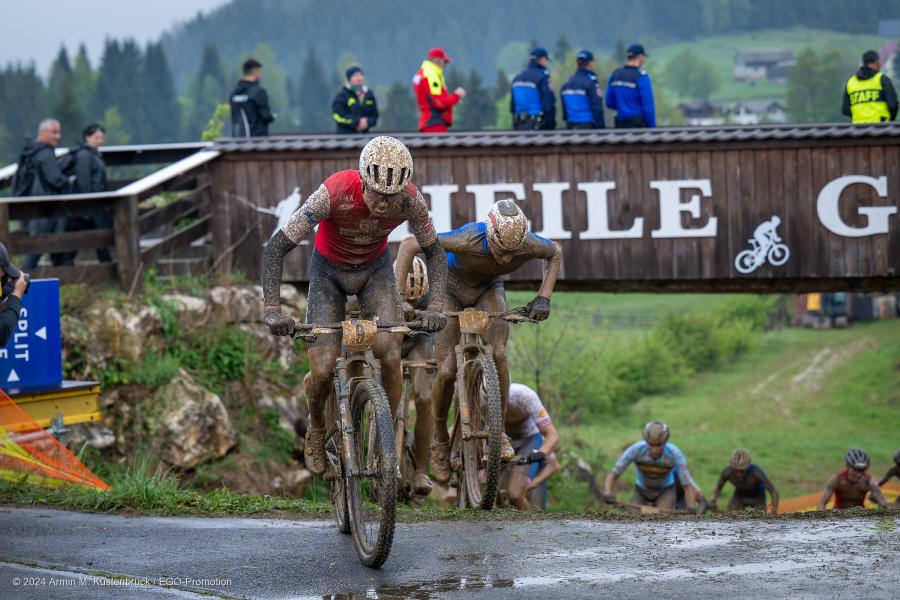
pixel 140 237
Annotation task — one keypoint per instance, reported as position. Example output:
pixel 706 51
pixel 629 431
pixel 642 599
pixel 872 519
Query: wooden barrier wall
pixel 652 216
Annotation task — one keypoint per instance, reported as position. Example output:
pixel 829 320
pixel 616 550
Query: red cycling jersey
pixel 348 232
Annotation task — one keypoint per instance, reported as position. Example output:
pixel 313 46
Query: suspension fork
pixel 345 425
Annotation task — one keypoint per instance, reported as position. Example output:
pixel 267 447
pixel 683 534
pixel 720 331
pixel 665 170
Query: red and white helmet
pixel 506 225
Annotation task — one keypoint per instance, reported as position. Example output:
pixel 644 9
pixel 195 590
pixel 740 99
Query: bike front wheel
pixel 375 476
pixel 481 452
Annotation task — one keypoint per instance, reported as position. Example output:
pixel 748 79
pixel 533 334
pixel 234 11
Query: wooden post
pixel 221 220
pixel 127 235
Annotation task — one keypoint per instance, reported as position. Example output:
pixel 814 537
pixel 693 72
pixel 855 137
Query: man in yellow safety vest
pixel 869 96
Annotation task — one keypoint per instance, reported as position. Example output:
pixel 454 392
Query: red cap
pixel 438 53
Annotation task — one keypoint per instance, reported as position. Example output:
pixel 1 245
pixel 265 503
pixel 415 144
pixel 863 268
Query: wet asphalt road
pixel 67 555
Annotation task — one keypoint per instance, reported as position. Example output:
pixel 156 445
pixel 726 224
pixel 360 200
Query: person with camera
pixel 15 284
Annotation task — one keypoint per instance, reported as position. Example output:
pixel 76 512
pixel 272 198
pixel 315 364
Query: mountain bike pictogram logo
pixel 765 246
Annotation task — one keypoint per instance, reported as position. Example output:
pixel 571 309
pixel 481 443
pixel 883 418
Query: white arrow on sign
pixel 41 333
pixel 13 376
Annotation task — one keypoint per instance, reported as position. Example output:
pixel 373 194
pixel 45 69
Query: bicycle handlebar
pixel 514 315
pixel 403 327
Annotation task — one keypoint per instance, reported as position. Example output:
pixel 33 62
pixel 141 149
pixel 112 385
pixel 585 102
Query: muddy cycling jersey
pixel 655 473
pixel 349 234
pixel 752 484
pixel 470 260
pixel 525 413
pixel 849 493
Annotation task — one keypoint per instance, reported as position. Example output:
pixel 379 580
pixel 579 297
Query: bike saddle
pixel 7 267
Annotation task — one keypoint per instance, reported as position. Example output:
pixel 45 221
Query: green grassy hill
pixel 720 51
pixel 798 401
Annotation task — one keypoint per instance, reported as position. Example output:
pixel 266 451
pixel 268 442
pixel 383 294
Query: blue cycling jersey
pixel 655 473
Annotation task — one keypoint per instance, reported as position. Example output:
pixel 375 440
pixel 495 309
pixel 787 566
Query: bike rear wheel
pixel 481 453
pixel 372 523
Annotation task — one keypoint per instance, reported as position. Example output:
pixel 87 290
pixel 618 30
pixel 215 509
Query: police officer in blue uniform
pixel 531 102
pixel 582 100
pixel 629 93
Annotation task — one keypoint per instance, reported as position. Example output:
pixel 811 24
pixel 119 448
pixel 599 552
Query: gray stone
pixel 237 304
pixel 193 312
pixel 97 435
pixel 293 483
pixel 192 425
pixel 127 331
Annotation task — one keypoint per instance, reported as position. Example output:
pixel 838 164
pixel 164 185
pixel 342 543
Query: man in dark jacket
pixel 250 112
pixel 40 173
pixel 353 108
pixel 582 100
pixel 90 178
pixel 14 284
pixel 531 102
pixel 869 96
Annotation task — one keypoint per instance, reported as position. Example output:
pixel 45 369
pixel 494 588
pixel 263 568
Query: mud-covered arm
pixel 827 493
pixel 551 466
pixel 770 487
pixel 876 494
pixel 719 485
pixel 435 258
pixel 315 209
pixel 551 271
pixel 407 251
pixel 892 472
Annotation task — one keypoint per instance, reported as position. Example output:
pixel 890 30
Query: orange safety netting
pixel 806 503
pixel 29 452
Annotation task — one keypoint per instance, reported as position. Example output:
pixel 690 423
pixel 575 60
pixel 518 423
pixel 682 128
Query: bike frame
pixel 345 381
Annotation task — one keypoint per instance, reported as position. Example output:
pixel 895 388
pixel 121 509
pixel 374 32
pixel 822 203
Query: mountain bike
pixel 359 438
pixel 403 436
pixel 475 439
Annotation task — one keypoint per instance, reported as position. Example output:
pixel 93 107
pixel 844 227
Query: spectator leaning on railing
pixel 40 173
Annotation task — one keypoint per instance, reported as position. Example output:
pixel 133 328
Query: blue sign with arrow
pixel 33 356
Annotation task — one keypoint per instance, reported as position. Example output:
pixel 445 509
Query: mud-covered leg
pixel 442 390
pixel 421 383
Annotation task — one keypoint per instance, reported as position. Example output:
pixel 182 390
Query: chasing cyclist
pixel 419 347
pixel 533 435
pixel 850 486
pixel 893 471
pixel 478 254
pixel 658 463
pixel 750 484
pixel 355 211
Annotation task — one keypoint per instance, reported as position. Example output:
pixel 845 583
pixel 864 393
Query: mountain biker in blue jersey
pixel 658 463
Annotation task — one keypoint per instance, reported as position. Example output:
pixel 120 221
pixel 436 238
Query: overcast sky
pixel 35 29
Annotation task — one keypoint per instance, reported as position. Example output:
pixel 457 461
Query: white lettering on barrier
pixel 598 214
pixel 552 210
pixel 671 207
pixel 828 207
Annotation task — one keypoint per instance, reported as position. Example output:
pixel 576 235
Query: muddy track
pixel 821 556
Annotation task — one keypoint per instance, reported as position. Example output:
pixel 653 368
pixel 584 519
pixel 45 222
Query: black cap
pixel 6 266
pixel 584 56
pixel 635 50
pixel 869 57
pixel 540 53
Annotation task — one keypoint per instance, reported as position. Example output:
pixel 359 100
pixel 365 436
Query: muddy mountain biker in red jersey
pixel 478 255
pixel 850 486
pixel 355 211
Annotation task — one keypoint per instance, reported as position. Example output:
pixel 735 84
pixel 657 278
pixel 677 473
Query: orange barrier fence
pixel 808 502
pixel 28 452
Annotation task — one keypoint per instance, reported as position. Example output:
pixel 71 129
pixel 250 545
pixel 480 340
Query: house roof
pixel 501 139
pixel 764 55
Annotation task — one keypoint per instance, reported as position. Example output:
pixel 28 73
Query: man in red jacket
pixel 435 102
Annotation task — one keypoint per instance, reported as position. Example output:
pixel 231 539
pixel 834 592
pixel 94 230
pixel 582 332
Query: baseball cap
pixel 6 266
pixel 584 56
pixel 635 50
pixel 438 53
pixel 540 53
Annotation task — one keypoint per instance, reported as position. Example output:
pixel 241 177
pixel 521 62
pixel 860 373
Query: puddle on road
pixel 425 591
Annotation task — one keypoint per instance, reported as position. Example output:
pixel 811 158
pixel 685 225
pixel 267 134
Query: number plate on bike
pixel 473 321
pixel 359 334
